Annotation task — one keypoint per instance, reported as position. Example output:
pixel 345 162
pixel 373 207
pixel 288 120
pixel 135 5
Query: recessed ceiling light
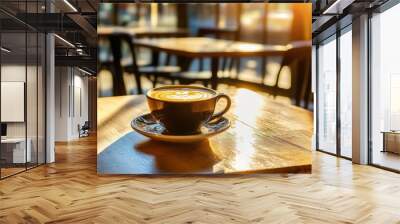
pixel 64 40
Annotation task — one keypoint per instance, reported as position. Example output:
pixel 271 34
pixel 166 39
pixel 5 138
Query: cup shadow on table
pixel 180 157
pixel 136 154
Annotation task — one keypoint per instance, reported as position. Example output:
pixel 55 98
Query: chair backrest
pixel 116 40
pixel 299 50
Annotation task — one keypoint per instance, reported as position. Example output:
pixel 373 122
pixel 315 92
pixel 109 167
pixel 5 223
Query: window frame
pixel 347 27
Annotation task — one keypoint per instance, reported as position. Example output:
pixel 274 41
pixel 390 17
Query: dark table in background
pixel 205 47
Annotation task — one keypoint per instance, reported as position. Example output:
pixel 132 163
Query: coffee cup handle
pixel 228 105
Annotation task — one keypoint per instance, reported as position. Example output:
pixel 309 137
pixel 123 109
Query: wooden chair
pixel 225 63
pixel 133 68
pixel 153 72
pixel 219 33
pixel 298 55
pixel 115 65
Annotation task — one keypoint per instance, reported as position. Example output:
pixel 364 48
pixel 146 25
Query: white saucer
pixel 149 127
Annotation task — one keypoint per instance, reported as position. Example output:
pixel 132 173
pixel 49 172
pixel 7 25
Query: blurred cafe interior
pixel 262 47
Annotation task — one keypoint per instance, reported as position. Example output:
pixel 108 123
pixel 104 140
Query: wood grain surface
pixel 197 47
pixel 265 136
pixel 143 31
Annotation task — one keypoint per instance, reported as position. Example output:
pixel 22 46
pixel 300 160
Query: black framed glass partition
pixel 22 78
pixel 334 93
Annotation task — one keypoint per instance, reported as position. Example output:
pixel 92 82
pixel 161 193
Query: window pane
pixel 327 96
pixel 385 114
pixel 32 97
pixel 346 94
pixel 14 153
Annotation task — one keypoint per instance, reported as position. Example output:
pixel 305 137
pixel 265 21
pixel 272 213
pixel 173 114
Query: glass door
pixel 14 153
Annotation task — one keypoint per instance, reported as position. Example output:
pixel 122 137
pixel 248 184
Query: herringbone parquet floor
pixel 70 191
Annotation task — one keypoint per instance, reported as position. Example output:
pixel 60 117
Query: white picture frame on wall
pixel 12 101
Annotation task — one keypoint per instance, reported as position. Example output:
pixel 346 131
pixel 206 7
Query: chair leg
pixel 285 61
pixel 306 85
pixel 307 95
pixel 238 63
pixel 275 87
pixel 201 64
pixel 155 78
pixel 264 70
pixel 138 83
pixel 232 62
pixel 168 59
pixel 224 65
pixel 298 82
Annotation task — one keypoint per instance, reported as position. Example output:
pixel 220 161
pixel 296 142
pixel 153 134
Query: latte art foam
pixel 181 94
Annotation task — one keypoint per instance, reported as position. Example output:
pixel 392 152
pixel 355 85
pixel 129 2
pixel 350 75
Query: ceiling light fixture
pixel 80 51
pixel 64 40
pixel 5 49
pixel 337 7
pixel 331 7
pixel 70 5
pixel 84 71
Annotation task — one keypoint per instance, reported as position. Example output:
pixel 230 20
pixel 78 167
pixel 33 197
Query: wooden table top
pixel 265 136
pixel 211 47
pixel 146 31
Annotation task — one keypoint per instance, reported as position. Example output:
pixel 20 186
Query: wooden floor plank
pixel 70 191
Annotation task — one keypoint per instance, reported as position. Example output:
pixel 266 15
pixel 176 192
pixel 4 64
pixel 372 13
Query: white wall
pixel 71 102
pixel 12 73
pixel 61 103
pixel 81 102
pixel 33 127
